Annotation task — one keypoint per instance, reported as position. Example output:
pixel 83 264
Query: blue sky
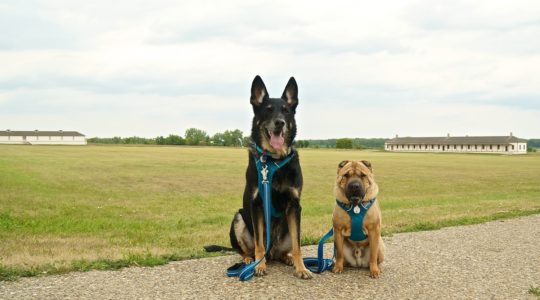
pixel 364 69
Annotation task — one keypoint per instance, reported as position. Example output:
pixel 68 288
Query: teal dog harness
pixel 357 215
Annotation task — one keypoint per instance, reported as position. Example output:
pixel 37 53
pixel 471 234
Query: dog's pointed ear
pixel 290 94
pixel 367 164
pixel 258 91
pixel 342 164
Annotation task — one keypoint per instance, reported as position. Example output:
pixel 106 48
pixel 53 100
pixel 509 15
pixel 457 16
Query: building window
pixel 483 147
pixel 498 147
pixel 438 147
pixel 454 147
pixel 468 147
pixel 490 147
pixel 512 147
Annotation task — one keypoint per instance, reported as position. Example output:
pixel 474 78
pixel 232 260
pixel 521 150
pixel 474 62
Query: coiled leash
pixel 320 264
pixel 266 167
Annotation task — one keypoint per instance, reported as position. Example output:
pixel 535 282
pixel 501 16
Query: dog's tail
pixel 216 248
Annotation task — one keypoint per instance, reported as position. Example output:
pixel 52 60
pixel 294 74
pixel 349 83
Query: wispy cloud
pixel 149 68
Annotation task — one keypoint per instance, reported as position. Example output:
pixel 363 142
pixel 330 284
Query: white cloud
pixel 148 68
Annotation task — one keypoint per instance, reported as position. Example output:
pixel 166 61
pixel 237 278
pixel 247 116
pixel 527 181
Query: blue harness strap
pixel 357 218
pixel 266 167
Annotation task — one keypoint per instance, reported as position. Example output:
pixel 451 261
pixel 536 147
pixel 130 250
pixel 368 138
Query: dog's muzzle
pixel 355 192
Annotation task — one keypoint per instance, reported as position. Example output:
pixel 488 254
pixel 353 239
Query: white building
pixel 37 137
pixel 459 144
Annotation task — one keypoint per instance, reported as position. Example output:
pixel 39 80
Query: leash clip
pixel 264 173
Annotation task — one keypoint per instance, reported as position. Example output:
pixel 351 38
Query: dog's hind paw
pixel 287 259
pixel 303 274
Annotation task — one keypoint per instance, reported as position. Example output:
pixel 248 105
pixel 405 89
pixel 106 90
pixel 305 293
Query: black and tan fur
pixel 355 183
pixel 272 116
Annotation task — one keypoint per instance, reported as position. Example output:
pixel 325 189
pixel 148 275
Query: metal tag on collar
pixel 264 173
pixel 356 210
pixel 263 156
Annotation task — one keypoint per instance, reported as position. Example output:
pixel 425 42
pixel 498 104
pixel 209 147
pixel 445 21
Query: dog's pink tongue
pixel 277 141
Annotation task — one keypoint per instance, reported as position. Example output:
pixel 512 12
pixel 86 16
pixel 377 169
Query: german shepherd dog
pixel 273 130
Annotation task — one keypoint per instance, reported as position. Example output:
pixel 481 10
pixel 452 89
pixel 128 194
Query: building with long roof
pixel 37 137
pixel 509 144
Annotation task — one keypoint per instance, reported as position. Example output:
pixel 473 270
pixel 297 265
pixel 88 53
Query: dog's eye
pixel 284 109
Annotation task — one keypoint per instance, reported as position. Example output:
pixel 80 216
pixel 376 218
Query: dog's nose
pixel 279 123
pixel 354 186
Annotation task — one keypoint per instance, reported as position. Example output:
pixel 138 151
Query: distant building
pixel 458 144
pixel 37 137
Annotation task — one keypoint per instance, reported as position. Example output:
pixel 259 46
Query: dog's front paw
pixel 337 269
pixel 303 273
pixel 248 260
pixel 260 269
pixel 374 270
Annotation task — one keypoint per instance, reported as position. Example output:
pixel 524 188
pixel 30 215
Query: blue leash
pixel 265 171
pixel 320 264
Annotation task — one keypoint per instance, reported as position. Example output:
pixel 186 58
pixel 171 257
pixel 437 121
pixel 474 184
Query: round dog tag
pixel 356 210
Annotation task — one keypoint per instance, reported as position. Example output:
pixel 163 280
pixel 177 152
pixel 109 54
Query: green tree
pixel 174 139
pixel 218 139
pixel 196 136
pixel 160 140
pixel 344 143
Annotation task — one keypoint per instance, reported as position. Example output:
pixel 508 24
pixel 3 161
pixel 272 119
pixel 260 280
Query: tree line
pixel 192 136
pixel 345 143
pixel 234 138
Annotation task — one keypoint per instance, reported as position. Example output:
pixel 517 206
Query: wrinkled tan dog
pixel 356 192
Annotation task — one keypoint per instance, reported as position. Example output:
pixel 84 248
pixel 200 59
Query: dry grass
pixel 59 204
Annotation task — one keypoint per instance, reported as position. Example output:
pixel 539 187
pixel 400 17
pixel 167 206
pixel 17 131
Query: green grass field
pixel 68 208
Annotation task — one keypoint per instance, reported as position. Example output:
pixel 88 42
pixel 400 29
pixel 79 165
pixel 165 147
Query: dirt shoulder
pixel 495 260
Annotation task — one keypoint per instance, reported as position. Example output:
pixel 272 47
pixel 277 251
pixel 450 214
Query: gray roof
pixel 456 140
pixel 40 133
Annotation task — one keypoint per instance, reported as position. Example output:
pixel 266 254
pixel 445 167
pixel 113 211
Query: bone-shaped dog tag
pixel 264 173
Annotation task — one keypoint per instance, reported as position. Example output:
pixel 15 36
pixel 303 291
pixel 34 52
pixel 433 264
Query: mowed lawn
pixel 60 204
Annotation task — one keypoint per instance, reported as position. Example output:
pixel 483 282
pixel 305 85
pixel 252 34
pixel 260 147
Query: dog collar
pixel 263 154
pixel 357 215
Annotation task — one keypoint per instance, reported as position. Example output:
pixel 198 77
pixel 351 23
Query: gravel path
pixel 496 260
